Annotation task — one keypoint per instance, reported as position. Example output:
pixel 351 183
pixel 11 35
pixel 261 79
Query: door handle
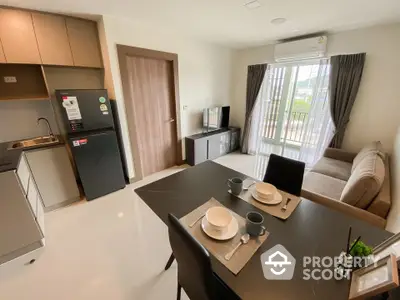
pixel 171 120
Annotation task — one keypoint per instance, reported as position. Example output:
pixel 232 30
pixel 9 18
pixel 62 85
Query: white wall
pixel 376 112
pixel 18 119
pixel 393 220
pixel 204 71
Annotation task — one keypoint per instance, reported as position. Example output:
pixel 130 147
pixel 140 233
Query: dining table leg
pixel 170 261
pixel 178 292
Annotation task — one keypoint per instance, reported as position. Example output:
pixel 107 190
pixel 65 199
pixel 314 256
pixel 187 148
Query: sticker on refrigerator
pixel 102 100
pixel 72 108
pixel 75 143
pixel 103 107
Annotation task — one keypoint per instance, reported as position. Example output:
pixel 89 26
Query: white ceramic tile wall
pixel 18 119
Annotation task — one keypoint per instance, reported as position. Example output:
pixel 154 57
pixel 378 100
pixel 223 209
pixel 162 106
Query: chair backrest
pixel 195 274
pixel 286 174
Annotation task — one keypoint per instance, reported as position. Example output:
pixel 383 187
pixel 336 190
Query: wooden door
pixel 18 37
pixel 52 38
pixel 153 108
pixel 2 57
pixel 84 43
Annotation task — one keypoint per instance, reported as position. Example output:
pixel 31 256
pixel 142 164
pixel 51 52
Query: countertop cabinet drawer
pixel 56 182
pixel 32 195
pixel 214 146
pixel 18 227
pixel 211 145
pixel 40 213
pixel 24 174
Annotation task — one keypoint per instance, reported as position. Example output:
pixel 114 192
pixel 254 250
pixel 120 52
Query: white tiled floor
pixel 112 248
pixel 243 163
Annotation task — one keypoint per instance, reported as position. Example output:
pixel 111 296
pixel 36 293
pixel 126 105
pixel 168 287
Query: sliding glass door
pixel 294 120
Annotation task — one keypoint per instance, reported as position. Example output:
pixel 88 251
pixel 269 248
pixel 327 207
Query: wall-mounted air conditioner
pixel 302 49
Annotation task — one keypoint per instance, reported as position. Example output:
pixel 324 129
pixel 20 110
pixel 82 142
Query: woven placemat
pixel 275 210
pixel 220 248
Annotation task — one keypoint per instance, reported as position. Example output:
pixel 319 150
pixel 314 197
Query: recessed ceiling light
pixel 252 4
pixel 278 21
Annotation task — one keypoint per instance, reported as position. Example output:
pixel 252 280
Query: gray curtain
pixel 255 77
pixel 345 78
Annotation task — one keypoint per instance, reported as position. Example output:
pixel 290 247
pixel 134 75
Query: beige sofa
pixel 357 184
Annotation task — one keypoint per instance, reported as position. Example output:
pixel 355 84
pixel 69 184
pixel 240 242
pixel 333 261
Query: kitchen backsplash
pixel 18 119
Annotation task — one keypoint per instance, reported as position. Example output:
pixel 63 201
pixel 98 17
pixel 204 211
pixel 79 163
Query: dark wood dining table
pixel 312 230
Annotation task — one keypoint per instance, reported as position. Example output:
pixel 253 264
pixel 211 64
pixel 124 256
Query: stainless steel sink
pixel 39 141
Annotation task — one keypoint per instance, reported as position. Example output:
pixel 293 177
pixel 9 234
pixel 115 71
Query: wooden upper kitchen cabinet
pixel 52 39
pixel 85 46
pixel 2 57
pixel 18 38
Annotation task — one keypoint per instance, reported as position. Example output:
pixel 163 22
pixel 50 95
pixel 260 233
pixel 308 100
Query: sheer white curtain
pixel 260 123
pixel 277 127
pixel 319 127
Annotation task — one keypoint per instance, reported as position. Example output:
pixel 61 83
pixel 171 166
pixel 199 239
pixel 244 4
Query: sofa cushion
pixel 383 201
pixel 374 147
pixel 365 181
pixel 325 185
pixel 333 167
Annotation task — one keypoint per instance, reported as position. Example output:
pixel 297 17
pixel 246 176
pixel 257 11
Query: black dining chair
pixel 286 174
pixel 195 274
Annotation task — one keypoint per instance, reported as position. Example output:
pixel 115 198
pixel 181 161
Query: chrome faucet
pixel 48 126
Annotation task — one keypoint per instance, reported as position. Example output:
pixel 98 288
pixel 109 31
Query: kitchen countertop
pixel 9 159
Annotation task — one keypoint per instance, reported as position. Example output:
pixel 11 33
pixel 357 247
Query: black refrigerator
pixel 89 125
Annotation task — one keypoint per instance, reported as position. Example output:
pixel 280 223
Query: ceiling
pixel 229 22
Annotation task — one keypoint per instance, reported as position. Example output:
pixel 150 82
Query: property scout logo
pixel 278 264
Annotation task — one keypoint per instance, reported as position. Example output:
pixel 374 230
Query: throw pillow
pixel 374 147
pixel 365 182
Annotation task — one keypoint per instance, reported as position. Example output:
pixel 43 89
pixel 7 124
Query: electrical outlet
pixel 10 79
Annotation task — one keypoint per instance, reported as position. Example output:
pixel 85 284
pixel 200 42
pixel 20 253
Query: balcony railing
pixel 295 127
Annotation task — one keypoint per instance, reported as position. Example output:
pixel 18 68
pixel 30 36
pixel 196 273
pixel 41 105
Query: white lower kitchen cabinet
pixel 41 180
pixel 20 229
pixel 23 174
pixel 54 176
pixel 32 195
pixel 40 213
